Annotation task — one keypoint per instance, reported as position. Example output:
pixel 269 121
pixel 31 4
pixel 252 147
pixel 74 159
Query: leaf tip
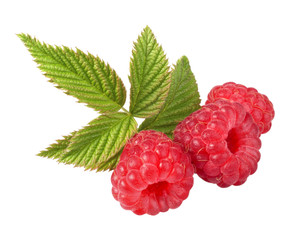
pixel 42 154
pixel 184 59
pixel 147 29
pixel 39 154
pixel 23 36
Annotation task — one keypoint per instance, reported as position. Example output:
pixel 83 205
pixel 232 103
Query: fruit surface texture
pixel 257 104
pixel 154 174
pixel 223 142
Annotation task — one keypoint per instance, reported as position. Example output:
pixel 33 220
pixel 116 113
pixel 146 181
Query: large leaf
pixel 182 100
pixel 97 146
pixel 83 76
pixel 149 76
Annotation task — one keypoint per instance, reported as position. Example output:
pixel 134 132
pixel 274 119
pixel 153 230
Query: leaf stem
pixel 125 110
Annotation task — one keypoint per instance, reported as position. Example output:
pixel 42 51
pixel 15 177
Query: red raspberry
pixel 153 174
pixel 257 104
pixel 223 142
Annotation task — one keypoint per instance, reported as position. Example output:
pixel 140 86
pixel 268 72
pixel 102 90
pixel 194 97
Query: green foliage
pixel 96 146
pixel 56 150
pixel 111 163
pixel 163 98
pixel 83 76
pixel 149 76
pixel 182 100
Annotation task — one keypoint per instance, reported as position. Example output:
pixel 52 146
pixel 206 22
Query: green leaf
pixel 56 150
pixel 99 145
pixel 182 100
pixel 111 163
pixel 81 75
pixel 149 76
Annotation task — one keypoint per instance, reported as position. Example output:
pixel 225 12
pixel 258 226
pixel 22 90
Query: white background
pixel 250 42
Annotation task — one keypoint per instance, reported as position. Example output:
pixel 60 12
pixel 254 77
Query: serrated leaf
pixel 57 149
pixel 149 76
pixel 182 100
pixel 81 75
pixel 97 146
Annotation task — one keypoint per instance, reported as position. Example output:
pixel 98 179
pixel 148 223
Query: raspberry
pixel 257 104
pixel 153 174
pixel 223 142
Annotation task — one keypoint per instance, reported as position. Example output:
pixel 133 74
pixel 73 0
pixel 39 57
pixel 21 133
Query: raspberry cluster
pixel 223 141
pixel 223 137
pixel 219 142
pixel 153 174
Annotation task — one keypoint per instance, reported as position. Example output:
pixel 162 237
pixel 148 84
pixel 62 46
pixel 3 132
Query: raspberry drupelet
pixel 223 142
pixel 153 175
pixel 257 104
